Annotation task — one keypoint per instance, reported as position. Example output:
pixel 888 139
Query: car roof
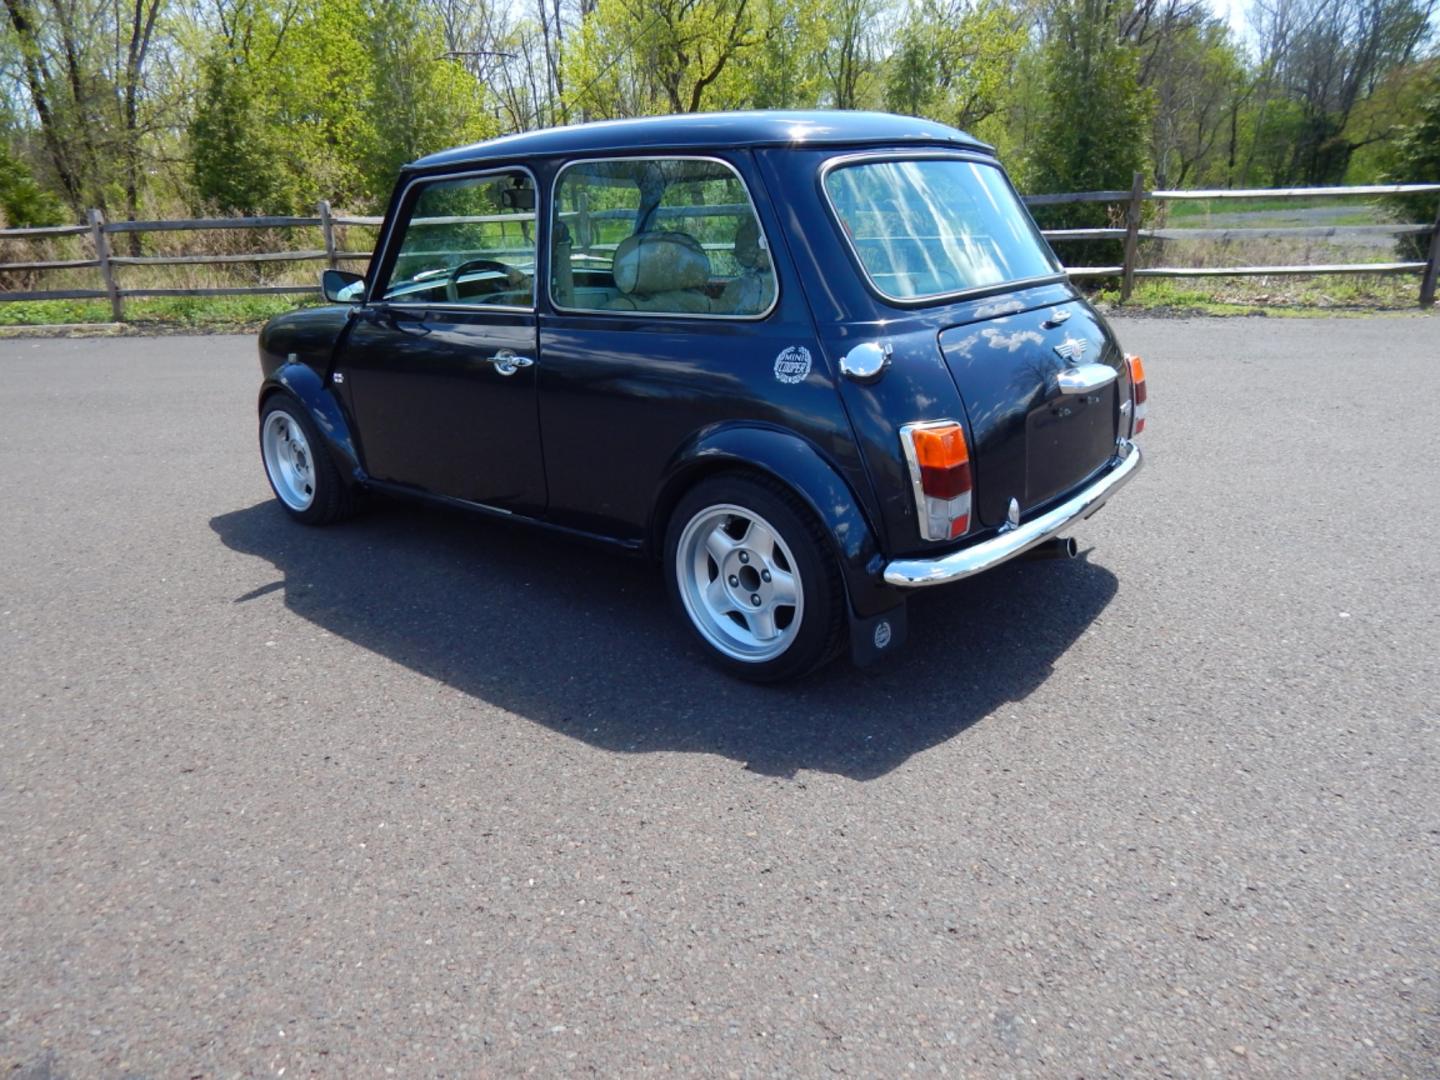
pixel 699 131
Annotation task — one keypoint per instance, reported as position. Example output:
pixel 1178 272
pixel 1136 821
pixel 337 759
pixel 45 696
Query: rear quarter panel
pixel 918 385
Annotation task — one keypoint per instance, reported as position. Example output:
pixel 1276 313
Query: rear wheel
pixel 749 570
pixel 299 466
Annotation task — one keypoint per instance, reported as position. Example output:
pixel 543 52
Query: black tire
pixel 330 499
pixel 802 551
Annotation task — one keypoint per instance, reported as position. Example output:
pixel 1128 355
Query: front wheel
pixel 299 466
pixel 750 571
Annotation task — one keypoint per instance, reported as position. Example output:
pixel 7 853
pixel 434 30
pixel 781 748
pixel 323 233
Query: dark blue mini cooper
pixel 808 361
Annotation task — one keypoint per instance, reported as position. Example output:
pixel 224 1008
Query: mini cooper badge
pixel 793 365
pixel 1072 349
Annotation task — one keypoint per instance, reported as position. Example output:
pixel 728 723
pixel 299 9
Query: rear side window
pixel 931 227
pixel 673 236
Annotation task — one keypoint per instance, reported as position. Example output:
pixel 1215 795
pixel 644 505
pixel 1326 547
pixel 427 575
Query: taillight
pixel 940 473
pixel 1137 392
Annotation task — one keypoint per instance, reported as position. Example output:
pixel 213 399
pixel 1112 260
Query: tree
pixel 640 57
pixel 84 66
pixel 780 72
pixel 311 99
pixel 1196 79
pixel 234 154
pixel 23 202
pixel 1326 56
pixel 954 61
pixel 419 101
pixel 1417 161
pixel 1095 113
pixel 848 51
pixel 1380 119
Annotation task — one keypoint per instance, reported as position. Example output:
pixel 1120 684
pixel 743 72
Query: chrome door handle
pixel 507 361
pixel 1084 378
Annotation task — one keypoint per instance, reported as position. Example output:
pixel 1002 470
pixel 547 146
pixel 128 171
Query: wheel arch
pixel 302 383
pixel 792 461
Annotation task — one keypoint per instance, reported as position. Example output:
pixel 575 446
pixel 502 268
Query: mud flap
pixel 874 637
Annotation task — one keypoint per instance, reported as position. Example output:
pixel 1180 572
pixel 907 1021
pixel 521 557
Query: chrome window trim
pixel 881 156
pixel 499 309
pixel 613 313
pixel 385 262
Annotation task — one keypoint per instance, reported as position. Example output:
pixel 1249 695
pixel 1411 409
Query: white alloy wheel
pixel 739 583
pixel 288 460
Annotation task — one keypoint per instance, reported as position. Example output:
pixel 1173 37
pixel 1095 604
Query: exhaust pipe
pixel 1058 547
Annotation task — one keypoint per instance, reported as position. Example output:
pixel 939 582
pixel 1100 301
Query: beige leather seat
pixel 661 271
pixel 752 291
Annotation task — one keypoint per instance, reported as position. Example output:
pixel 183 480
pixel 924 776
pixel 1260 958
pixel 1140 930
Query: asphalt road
pixel 427 795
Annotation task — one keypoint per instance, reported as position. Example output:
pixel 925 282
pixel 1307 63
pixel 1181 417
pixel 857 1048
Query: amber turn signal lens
pixel 1137 391
pixel 940 447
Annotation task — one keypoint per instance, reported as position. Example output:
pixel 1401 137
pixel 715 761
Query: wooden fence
pixel 106 261
pixel 1130 234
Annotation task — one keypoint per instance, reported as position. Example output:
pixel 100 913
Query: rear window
pixel 931 227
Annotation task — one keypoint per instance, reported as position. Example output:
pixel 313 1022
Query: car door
pixel 438 367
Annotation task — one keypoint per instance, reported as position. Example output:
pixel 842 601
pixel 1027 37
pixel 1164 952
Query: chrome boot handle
pixel 1084 378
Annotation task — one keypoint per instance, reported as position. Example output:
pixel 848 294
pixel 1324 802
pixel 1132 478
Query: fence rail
pixel 1133 200
pixel 1131 234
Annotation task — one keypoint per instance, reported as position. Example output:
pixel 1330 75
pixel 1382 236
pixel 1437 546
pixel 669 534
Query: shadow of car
pixel 579 640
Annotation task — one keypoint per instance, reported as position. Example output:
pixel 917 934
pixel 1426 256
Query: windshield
pixel 930 227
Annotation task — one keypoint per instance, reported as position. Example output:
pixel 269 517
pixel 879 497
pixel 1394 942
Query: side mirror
pixel 342 287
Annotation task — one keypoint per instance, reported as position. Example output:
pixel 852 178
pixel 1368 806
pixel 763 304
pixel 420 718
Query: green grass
pixel 1293 297
pixel 1359 211
pixel 1287 297
pixel 212 313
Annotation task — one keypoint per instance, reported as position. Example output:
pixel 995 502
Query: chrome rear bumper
pixel 914 573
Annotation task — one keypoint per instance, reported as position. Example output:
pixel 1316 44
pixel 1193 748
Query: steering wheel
pixel 452 283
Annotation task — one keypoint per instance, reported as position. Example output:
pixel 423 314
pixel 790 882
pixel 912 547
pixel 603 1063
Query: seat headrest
pixel 653 262
pixel 748 252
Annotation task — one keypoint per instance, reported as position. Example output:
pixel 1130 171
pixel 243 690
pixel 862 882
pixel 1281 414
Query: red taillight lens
pixel 1137 392
pixel 939 463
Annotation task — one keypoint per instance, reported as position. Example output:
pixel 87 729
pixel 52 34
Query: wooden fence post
pixel 1432 267
pixel 107 271
pixel 1132 235
pixel 327 231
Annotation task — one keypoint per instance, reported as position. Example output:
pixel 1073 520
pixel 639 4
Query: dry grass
pixel 199 242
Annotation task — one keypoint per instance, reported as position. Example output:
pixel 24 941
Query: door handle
pixel 508 361
pixel 1084 378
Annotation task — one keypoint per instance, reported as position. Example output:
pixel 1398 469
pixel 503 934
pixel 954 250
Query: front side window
pixel 470 242
pixel 675 236
pixel 931 227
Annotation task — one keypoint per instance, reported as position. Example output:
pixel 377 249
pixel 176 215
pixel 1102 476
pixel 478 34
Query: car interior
pixel 677 237
pixel 660 264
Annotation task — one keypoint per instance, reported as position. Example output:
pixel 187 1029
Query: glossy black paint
pixel 1029 442
pixel 436 414
pixel 296 353
pixel 708 132
pixel 806 469
pixel 621 412
pixel 924 383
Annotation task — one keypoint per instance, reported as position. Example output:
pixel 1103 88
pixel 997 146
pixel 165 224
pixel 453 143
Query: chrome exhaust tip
pixel 1057 547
